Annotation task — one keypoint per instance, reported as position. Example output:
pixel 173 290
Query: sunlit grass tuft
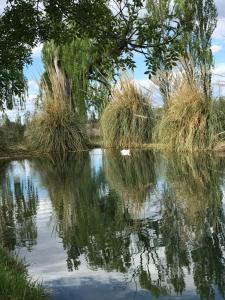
pixel 57 128
pixel 188 122
pixel 128 120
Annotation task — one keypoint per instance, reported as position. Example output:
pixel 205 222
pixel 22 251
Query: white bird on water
pixel 125 152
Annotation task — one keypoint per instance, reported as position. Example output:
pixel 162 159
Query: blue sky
pixel 218 48
pixel 34 71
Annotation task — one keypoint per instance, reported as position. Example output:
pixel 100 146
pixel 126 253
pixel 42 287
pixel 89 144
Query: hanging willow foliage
pixel 76 60
pixel 73 60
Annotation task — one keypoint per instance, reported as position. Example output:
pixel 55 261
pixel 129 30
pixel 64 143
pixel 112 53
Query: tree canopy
pixel 117 28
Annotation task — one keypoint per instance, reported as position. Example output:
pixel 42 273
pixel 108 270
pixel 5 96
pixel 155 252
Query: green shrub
pixel 11 133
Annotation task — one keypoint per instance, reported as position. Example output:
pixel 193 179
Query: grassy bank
pixel 14 145
pixel 22 152
pixel 15 283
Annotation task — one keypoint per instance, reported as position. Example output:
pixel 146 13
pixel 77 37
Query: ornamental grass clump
pixel 128 120
pixel 57 128
pixel 188 121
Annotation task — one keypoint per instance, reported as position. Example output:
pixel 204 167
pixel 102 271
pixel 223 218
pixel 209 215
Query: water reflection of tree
pixel 131 177
pixel 18 208
pixel 93 220
pixel 90 220
pixel 193 223
pixel 188 238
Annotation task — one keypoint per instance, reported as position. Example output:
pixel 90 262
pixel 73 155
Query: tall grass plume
pixel 57 128
pixel 187 122
pixel 128 120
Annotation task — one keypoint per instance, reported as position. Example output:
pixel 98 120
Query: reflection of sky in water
pixel 47 263
pixel 21 172
pixel 223 199
pixel 47 260
pixel 150 208
pixel 96 160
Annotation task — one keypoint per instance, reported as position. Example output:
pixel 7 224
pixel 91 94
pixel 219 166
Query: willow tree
pixel 198 19
pixel 119 27
pixel 197 46
pixel 75 61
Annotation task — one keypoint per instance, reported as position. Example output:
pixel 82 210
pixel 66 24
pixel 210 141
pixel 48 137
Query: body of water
pixel 100 225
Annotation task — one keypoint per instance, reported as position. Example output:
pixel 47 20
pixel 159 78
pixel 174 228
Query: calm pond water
pixel 99 225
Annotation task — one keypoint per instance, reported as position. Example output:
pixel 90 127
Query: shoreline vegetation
pixel 188 122
pixel 15 282
pixel 21 152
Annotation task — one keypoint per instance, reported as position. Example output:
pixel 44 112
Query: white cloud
pixel 2 6
pixel 219 32
pixel 220 4
pixel 218 74
pixel 219 69
pixel 148 86
pixel 216 48
pixel 218 80
pixel 33 85
pixel 37 50
pixel 32 98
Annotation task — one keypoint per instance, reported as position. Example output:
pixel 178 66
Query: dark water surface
pixel 100 225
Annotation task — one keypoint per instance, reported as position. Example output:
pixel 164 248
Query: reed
pixel 14 280
pixel 56 128
pixel 219 110
pixel 188 122
pixel 128 120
